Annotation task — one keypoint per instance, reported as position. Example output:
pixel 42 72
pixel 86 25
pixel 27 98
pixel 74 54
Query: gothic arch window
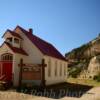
pixel 7 57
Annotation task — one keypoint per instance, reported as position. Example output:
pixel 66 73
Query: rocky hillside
pixel 86 51
pixel 79 58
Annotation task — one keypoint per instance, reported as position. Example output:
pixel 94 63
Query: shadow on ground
pixel 57 91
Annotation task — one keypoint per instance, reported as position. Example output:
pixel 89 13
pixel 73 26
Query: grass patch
pixel 84 82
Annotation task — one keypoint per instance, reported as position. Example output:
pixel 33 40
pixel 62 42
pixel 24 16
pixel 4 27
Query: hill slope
pixel 85 51
pixel 79 58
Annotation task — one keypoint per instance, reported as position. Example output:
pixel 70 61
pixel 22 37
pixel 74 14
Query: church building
pixel 22 45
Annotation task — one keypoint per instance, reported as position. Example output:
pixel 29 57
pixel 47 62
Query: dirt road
pixel 93 94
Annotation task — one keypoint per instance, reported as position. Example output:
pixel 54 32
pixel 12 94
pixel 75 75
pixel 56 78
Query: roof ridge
pixel 43 45
pixel 49 44
pixel 33 34
pixel 21 28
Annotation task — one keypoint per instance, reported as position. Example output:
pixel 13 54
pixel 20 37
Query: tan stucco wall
pixel 7 35
pixel 35 56
pixel 16 68
pixel 55 79
pixel 5 49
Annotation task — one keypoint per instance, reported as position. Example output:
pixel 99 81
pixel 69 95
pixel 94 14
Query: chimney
pixel 31 30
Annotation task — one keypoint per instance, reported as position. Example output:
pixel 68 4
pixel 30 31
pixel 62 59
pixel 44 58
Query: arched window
pixel 7 57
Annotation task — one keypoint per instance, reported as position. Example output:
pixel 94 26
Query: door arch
pixel 7 57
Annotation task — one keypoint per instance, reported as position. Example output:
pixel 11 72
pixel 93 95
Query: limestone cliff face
pixel 92 70
pixel 94 66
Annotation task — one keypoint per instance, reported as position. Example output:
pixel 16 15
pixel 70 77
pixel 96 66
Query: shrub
pixel 75 72
pixel 97 77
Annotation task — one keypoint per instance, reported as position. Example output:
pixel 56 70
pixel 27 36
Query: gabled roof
pixel 15 50
pixel 45 47
pixel 13 34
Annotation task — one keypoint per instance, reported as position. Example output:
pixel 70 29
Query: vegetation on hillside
pixel 81 57
pixel 85 51
pixel 97 77
pixel 76 69
pixel 77 53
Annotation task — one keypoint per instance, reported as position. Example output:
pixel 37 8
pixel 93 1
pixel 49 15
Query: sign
pixel 31 67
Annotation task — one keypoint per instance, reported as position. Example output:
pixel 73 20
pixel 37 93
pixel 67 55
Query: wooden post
pixel 43 73
pixel 20 72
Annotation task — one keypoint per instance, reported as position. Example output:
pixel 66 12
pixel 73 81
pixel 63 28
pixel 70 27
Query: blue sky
pixel 66 24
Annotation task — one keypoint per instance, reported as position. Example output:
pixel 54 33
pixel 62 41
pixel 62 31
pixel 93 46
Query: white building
pixel 22 44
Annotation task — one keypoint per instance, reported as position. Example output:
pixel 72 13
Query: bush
pixel 97 77
pixel 75 72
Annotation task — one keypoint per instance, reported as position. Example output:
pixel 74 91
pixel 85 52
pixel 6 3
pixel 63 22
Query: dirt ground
pixel 57 91
pixel 93 94
pixel 20 96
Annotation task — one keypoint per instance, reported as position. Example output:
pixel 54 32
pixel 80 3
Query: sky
pixel 67 24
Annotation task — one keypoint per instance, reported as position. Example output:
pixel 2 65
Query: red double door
pixel 6 71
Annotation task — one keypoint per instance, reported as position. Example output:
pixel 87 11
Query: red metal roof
pixel 13 34
pixel 16 50
pixel 45 47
